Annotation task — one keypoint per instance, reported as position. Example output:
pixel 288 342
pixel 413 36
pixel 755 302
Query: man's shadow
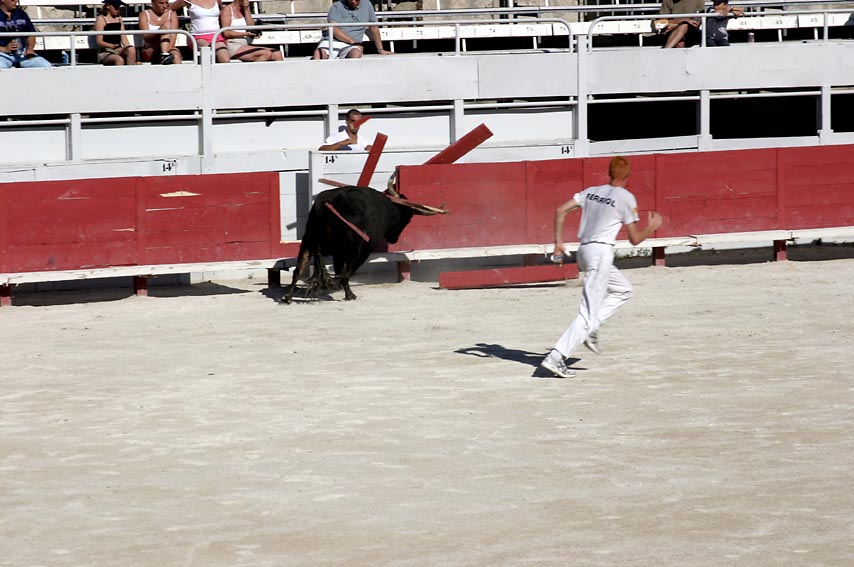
pixel 533 359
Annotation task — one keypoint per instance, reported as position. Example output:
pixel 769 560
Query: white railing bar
pixel 329 25
pixel 591 30
pixel 765 94
pixel 75 33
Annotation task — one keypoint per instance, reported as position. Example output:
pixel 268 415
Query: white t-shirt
pixel 341 135
pixel 604 209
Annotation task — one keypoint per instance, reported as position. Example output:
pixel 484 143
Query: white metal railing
pixel 467 28
pixel 817 18
pixel 457 26
pixel 72 35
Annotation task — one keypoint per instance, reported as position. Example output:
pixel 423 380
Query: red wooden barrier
pixel 95 223
pixel 697 193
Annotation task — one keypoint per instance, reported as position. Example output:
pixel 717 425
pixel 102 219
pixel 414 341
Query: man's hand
pixel 653 220
pixel 559 250
pixel 385 52
pixel 12 46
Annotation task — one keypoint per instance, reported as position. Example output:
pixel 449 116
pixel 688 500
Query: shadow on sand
pixel 37 298
pixel 533 359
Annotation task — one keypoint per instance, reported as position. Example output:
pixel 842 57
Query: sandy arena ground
pixel 210 426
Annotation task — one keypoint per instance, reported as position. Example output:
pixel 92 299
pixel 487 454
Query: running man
pixel 604 209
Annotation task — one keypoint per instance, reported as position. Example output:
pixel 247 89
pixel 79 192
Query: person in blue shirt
pixel 347 40
pixel 17 51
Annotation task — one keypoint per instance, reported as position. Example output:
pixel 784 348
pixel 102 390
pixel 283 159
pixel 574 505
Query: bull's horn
pixel 392 181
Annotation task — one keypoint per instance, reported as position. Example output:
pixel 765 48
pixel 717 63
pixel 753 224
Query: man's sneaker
pixel 167 58
pixel 592 343
pixel 557 367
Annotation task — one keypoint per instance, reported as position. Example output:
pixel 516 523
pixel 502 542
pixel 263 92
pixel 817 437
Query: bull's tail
pixel 321 279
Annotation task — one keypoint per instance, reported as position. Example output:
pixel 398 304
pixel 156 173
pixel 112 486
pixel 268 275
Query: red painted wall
pixel 697 193
pixel 63 225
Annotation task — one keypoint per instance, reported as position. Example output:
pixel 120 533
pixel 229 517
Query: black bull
pixel 348 223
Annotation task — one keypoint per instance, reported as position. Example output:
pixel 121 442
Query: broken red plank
pixel 332 182
pixel 473 279
pixel 355 228
pixel 462 146
pixel 371 163
pixel 361 121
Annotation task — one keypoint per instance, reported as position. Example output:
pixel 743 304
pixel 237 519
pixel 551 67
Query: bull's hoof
pixel 349 296
pixel 286 300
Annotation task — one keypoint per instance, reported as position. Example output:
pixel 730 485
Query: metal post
pixel 73 138
pixel 582 144
pixel 206 118
pixel 704 118
pixel 330 126
pixel 456 39
pixel 458 126
pixel 825 131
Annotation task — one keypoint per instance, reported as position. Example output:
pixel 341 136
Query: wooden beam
pixel 373 158
pixel 473 279
pixel 462 146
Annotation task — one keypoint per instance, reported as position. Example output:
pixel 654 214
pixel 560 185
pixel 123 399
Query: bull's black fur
pixel 327 235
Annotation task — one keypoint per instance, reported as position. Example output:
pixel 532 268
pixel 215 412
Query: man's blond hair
pixel 619 168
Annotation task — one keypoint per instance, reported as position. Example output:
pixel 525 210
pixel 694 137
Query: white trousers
pixel 605 290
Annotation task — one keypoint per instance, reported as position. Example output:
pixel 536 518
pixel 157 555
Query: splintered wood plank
pixel 472 279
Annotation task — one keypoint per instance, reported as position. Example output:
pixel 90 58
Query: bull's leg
pixel 348 293
pixel 321 279
pixel 302 262
pixel 345 268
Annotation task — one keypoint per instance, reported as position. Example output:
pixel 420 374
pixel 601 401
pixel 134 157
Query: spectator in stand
pixel 347 137
pixel 159 48
pixel 113 49
pixel 682 32
pixel 347 40
pixel 204 23
pixel 716 32
pixel 17 51
pixel 239 42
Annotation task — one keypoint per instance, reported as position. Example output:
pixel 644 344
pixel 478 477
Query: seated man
pixel 682 32
pixel 347 137
pixel 17 51
pixel 347 40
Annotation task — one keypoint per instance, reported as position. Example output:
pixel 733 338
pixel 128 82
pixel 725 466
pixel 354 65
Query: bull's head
pixel 418 209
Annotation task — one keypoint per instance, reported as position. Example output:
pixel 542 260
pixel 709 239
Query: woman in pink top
pixel 204 23
pixel 240 41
